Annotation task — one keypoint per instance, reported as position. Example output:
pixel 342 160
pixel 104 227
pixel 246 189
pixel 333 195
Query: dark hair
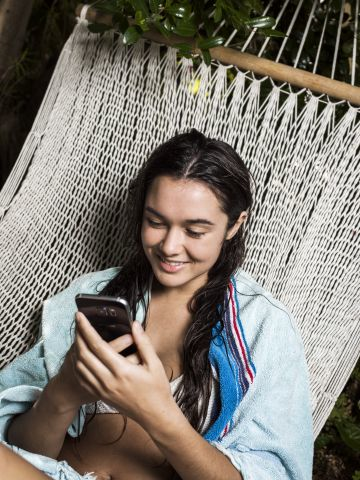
pixel 213 162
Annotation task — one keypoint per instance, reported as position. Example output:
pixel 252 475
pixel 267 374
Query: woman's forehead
pixel 184 198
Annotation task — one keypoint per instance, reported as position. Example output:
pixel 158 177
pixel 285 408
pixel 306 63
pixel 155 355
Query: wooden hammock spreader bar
pixel 246 61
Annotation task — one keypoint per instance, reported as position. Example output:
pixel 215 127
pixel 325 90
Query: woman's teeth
pixel 171 263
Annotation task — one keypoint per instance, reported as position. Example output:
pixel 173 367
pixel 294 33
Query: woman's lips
pixel 170 267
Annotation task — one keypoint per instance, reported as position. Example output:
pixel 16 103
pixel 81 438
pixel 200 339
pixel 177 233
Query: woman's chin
pixel 170 279
pixel 180 279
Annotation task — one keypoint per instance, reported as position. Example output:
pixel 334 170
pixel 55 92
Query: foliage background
pixel 23 86
pixel 337 449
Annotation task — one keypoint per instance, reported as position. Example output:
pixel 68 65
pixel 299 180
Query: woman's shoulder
pixel 246 285
pixel 96 280
pixel 261 314
pixel 90 283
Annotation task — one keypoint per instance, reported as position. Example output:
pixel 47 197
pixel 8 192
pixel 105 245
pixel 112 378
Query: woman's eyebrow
pixel 190 221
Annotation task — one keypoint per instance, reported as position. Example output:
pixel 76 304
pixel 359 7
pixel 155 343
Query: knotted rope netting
pixel 106 108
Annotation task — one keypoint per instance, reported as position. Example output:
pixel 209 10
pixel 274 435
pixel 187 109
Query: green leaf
pixel 142 6
pixel 131 36
pixel 99 28
pixel 168 25
pixel 255 5
pixel 218 13
pixel 230 75
pixel 356 475
pixel 260 22
pixel 141 21
pixel 139 16
pixel 162 29
pixel 185 28
pixel 179 11
pixel 237 20
pixel 155 17
pixel 184 48
pixel 121 20
pixel 212 42
pixel 206 56
pixel 154 6
pixel 242 10
pixel 209 26
pixel 350 434
pixel 269 32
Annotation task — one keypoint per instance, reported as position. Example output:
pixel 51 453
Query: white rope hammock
pixel 106 108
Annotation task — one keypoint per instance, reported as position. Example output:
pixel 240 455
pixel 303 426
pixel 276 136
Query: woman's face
pixel 183 230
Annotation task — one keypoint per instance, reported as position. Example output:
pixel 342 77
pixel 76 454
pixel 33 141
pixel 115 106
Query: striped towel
pixel 230 355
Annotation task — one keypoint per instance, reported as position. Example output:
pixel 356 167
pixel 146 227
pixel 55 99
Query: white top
pixel 103 407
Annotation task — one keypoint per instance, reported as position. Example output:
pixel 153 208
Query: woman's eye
pixel 153 223
pixel 195 234
pixel 191 233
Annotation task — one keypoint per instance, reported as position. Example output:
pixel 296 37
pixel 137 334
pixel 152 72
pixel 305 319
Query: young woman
pixel 218 388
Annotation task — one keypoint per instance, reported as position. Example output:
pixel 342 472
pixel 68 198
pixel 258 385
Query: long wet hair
pixel 191 156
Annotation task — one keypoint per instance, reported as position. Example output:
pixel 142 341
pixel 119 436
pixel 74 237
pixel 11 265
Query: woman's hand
pixel 74 391
pixel 136 385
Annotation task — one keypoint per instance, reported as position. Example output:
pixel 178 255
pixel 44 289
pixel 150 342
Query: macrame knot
pixel 330 396
pixel 82 19
pixel 3 210
pixel 38 135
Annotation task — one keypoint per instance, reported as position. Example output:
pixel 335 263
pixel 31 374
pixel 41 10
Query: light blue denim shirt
pixel 269 435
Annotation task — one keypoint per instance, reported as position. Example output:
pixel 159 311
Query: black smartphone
pixel 110 316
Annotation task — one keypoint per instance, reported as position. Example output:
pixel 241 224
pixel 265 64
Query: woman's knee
pixel 5 457
pixel 4 454
pixel 14 467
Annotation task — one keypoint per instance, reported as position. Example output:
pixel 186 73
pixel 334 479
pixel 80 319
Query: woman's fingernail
pixel 138 327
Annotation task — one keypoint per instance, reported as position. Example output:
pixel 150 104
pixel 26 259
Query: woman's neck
pixel 172 294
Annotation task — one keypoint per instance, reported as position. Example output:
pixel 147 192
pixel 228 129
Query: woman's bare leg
pixel 14 467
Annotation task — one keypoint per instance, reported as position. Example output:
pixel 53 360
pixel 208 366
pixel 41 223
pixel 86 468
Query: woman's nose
pixel 171 244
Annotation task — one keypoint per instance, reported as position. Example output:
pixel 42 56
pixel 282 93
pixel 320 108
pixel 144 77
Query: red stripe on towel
pixel 238 335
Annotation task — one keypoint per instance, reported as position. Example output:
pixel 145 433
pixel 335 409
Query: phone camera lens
pixel 112 312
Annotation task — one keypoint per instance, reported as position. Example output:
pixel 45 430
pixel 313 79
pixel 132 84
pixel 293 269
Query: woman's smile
pixel 171 266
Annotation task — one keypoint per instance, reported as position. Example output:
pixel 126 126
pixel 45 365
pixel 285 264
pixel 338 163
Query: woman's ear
pixel 234 229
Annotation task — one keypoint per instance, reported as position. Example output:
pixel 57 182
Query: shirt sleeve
pixel 272 437
pixel 21 383
pixel 23 380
